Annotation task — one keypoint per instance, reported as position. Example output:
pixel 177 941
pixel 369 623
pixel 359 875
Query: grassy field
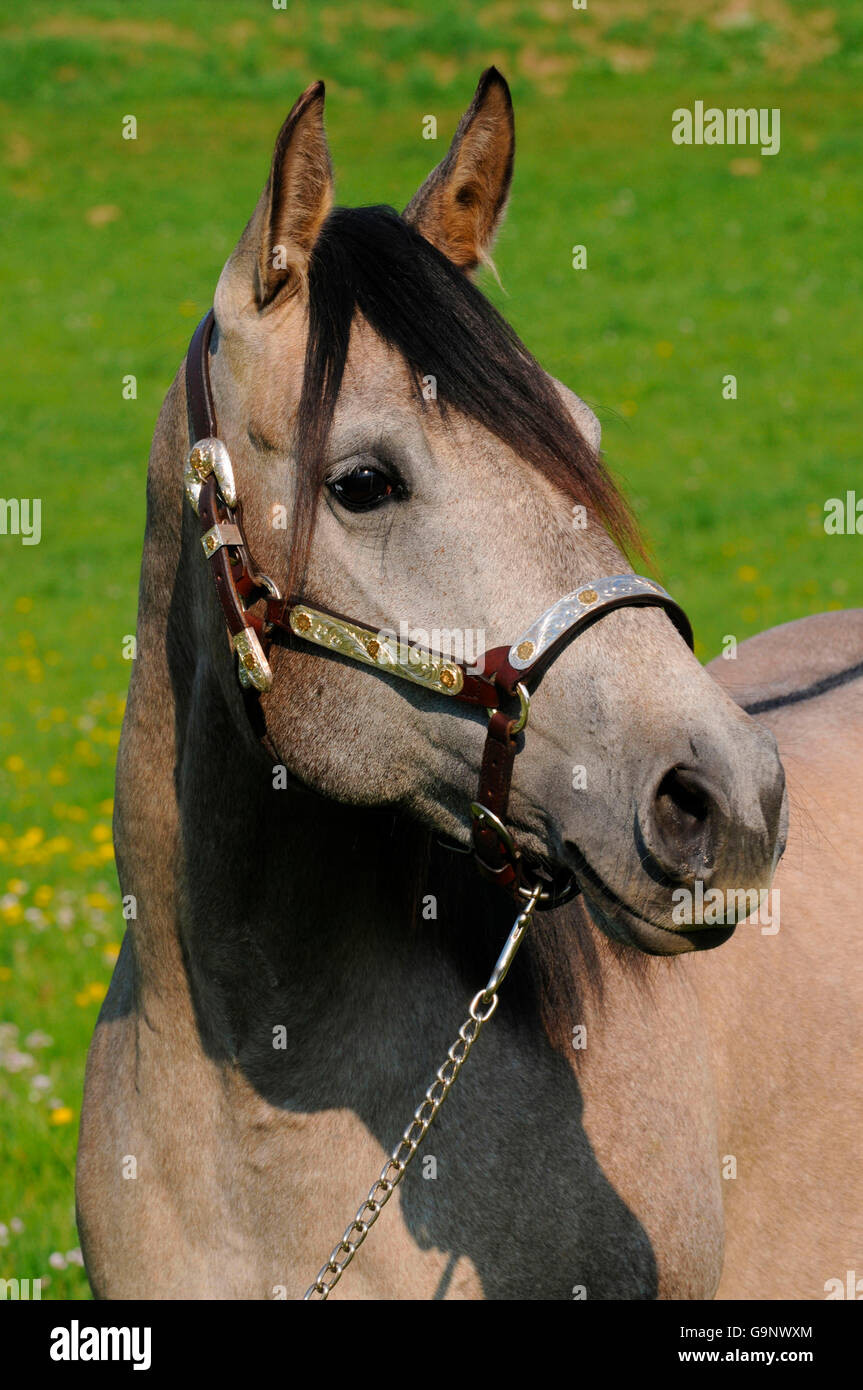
pixel 702 262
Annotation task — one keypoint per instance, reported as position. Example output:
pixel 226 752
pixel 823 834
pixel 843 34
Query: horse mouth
pixel 620 922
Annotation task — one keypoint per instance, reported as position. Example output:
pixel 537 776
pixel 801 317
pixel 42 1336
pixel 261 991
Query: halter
pixel 502 676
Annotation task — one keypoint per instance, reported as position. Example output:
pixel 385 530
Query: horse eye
pixel 363 488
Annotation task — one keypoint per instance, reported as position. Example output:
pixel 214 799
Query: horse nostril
pixel 683 825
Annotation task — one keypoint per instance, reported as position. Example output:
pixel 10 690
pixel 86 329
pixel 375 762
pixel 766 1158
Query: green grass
pixel 701 262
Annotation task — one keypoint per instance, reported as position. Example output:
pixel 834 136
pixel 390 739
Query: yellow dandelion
pixel 43 895
pixel 13 914
pixel 16 886
pixel 23 604
pixel 62 1115
pixel 60 844
pixel 111 952
pixel 747 573
pixel 15 763
pixel 5 973
pixel 664 349
pixel 100 832
pixel 58 777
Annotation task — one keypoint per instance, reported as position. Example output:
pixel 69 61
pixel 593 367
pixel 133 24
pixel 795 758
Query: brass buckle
pixel 544 899
pixel 523 713
pixel 483 814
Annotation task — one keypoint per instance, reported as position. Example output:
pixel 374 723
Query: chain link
pixel 482 1007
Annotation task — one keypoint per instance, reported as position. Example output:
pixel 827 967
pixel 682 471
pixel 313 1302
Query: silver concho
pixel 208 456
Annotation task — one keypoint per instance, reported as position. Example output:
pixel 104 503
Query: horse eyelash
pixel 346 467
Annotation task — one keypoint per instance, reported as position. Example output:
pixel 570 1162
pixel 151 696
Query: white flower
pixel 16 1061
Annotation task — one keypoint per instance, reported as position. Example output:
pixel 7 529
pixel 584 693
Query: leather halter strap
pixel 502 675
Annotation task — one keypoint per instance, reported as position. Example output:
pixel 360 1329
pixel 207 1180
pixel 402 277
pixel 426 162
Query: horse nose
pixel 683 827
pixel 701 819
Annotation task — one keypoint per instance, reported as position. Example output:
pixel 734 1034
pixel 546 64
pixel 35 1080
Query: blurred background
pixel 701 262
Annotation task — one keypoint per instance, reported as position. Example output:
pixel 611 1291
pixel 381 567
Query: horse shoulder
pixel 781 1000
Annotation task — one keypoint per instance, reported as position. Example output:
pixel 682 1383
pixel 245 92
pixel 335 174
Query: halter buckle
pixel 533 890
pixel 486 817
pixel 524 709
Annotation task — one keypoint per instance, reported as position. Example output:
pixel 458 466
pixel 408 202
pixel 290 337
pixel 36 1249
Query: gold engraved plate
pixel 254 669
pixel 208 456
pixel 382 650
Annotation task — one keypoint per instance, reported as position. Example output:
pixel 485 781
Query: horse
pixel 661 1107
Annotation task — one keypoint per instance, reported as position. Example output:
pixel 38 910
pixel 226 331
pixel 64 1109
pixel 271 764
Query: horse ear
pixel 272 256
pixel 460 205
pixel 298 196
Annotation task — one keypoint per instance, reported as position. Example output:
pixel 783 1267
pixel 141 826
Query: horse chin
pixel 621 924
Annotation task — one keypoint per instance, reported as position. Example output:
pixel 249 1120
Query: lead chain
pixel 482 1006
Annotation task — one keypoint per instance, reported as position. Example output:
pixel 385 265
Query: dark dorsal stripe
pixel 810 692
